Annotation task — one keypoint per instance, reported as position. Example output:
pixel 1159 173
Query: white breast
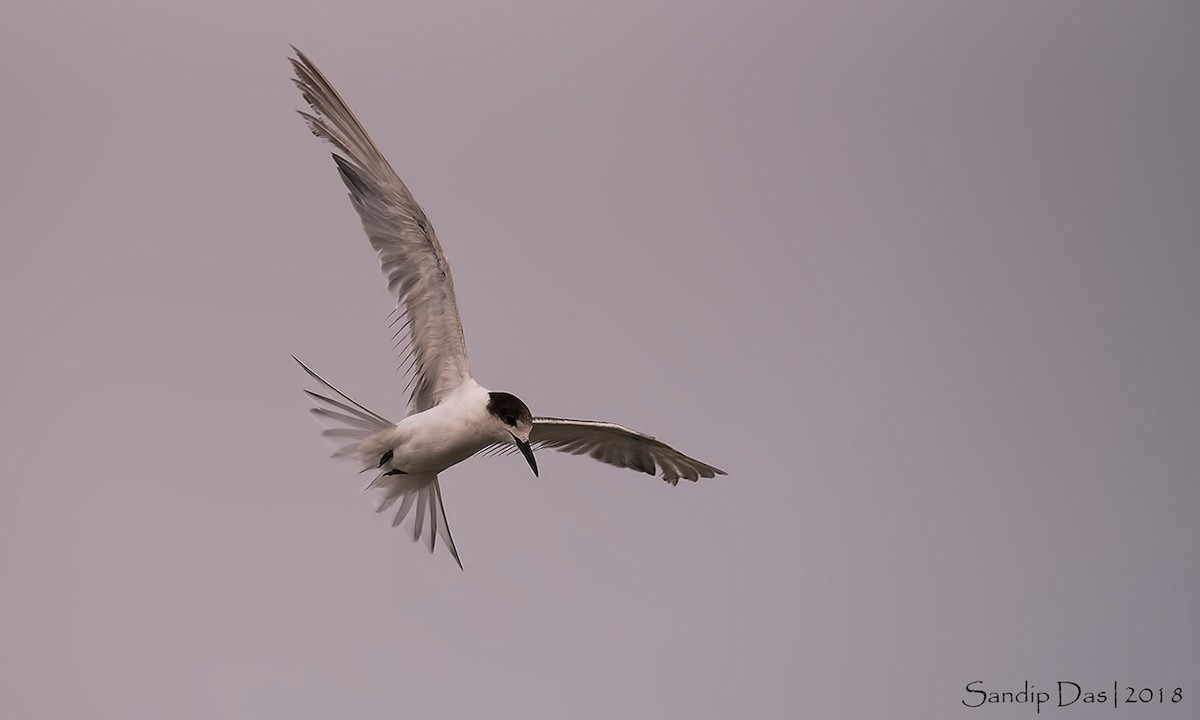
pixel 443 435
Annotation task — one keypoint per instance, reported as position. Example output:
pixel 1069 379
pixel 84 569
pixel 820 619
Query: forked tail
pixel 353 429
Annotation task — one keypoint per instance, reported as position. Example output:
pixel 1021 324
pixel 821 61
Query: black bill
pixel 528 453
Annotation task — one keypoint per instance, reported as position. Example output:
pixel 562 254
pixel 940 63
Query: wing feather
pixel 618 445
pixel 412 259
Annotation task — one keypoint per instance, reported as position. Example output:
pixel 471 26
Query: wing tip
pixel 706 472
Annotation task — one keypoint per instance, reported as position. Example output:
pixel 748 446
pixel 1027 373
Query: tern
pixel 451 416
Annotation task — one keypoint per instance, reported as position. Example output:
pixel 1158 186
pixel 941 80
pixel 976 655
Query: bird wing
pixel 618 445
pixel 417 271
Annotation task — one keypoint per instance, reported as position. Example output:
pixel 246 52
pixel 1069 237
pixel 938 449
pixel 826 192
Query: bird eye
pixel 510 420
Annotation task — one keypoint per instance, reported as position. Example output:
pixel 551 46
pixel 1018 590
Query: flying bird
pixel 451 416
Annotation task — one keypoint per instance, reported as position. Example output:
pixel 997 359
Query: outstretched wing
pixel 417 271
pixel 618 445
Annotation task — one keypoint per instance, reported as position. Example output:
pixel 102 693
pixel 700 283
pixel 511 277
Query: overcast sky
pixel 922 277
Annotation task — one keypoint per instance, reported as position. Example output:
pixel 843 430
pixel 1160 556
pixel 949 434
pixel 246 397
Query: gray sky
pixel 922 277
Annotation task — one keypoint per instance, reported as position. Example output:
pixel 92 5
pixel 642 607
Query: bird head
pixel 515 422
